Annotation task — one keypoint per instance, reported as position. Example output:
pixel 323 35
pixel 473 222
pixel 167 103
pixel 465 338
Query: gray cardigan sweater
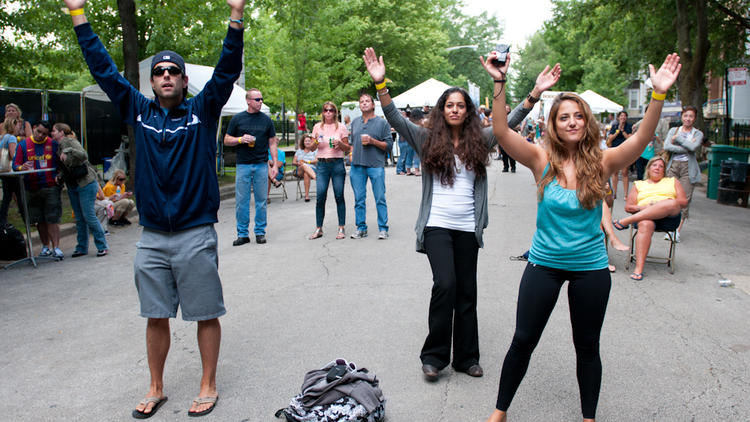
pixel 685 144
pixel 416 136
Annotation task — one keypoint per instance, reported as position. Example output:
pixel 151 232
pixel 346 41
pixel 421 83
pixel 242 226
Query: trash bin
pixel 734 183
pixel 717 154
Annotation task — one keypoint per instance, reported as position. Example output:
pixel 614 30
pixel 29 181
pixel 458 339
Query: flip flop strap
pixel 204 400
pixel 148 400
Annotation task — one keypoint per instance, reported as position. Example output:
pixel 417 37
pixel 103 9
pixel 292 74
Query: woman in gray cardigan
pixel 683 142
pixel 454 150
pixel 80 179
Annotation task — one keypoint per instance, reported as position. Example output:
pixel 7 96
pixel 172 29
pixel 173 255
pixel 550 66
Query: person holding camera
pixel 453 212
pixel 568 244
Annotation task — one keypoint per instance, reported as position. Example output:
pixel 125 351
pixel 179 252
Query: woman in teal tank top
pixel 568 244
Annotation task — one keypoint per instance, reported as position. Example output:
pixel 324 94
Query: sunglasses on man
pixel 172 70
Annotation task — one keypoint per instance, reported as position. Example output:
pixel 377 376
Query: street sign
pixel 737 76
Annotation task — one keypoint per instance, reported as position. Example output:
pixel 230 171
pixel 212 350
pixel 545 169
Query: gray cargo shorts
pixel 179 269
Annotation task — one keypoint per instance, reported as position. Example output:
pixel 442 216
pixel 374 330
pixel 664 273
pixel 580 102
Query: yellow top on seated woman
pixel 650 192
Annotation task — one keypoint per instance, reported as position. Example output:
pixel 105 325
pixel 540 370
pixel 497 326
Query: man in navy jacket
pixel 178 196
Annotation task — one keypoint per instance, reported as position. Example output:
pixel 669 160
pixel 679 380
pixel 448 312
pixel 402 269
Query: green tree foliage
pixel 596 38
pixel 300 52
pixel 528 63
pixel 482 31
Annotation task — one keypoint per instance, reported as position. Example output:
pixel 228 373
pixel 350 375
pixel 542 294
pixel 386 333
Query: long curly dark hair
pixel 438 150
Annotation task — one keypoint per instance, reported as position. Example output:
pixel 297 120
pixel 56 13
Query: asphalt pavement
pixel 674 347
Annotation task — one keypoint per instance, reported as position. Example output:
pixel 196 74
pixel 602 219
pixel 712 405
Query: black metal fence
pixel 739 134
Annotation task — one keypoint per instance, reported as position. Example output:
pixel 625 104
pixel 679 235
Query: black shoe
pixel 473 371
pixel 430 372
pixel 260 239
pixel 513 170
pixel 505 170
pixel 115 223
pixel 241 241
pixel 76 254
pixel 124 221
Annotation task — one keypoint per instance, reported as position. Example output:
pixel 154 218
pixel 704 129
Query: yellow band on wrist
pixel 658 97
pixel 76 12
pixel 380 85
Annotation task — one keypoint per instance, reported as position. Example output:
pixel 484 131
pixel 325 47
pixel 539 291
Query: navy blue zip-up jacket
pixel 175 182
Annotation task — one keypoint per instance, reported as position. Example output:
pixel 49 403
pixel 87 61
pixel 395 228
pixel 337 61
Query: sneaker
pixel 76 254
pixel 102 252
pixel 58 254
pixel 676 237
pixel 106 232
pixel 359 234
pixel 45 251
pixel 383 235
pixel 260 239
pixel 124 221
pixel 241 241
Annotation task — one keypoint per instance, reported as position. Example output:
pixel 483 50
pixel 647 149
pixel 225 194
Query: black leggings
pixel 453 305
pixel 588 293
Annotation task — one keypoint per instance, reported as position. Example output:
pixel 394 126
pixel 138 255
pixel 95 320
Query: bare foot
pixel 146 406
pixel 497 416
pixel 617 244
pixel 200 407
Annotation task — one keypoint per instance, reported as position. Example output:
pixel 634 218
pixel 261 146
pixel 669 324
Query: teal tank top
pixel 568 236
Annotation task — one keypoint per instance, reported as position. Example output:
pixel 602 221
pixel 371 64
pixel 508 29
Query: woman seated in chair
pixel 655 204
pixel 305 160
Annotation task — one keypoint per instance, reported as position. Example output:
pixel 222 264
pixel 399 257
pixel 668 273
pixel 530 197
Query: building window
pixel 633 102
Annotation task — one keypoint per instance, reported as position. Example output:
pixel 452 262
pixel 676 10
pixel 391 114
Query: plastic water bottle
pixel 119 190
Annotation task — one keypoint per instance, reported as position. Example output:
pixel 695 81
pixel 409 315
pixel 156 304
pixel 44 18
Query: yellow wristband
pixel 76 12
pixel 380 85
pixel 658 97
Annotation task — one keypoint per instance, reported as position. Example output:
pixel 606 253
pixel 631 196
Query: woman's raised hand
pixel 497 73
pixel 548 78
pixel 74 4
pixel 667 74
pixel 374 64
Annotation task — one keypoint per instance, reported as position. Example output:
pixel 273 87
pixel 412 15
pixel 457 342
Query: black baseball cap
pixel 168 56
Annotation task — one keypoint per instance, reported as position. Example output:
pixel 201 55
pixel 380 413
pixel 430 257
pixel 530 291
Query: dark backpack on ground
pixel 337 392
pixel 12 243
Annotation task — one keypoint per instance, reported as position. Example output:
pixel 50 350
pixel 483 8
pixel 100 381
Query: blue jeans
pixel 255 176
pixel 359 176
pixel 82 201
pixel 333 171
pixel 407 158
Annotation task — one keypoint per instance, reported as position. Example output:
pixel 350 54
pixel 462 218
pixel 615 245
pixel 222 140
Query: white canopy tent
pixel 424 94
pixel 600 104
pixel 596 102
pixel 198 76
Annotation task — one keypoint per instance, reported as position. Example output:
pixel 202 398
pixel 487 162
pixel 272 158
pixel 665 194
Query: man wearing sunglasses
pixel 176 263
pixel 253 135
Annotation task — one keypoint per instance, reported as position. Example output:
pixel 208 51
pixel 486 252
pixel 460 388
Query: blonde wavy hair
pixel 587 156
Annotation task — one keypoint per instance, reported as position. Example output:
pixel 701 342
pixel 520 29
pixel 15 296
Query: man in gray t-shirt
pixel 371 138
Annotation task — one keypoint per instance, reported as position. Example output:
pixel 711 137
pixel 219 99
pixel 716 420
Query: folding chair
pixel 281 186
pixel 666 225
pixel 301 187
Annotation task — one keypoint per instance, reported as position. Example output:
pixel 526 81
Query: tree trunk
pixel 693 45
pixel 126 9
